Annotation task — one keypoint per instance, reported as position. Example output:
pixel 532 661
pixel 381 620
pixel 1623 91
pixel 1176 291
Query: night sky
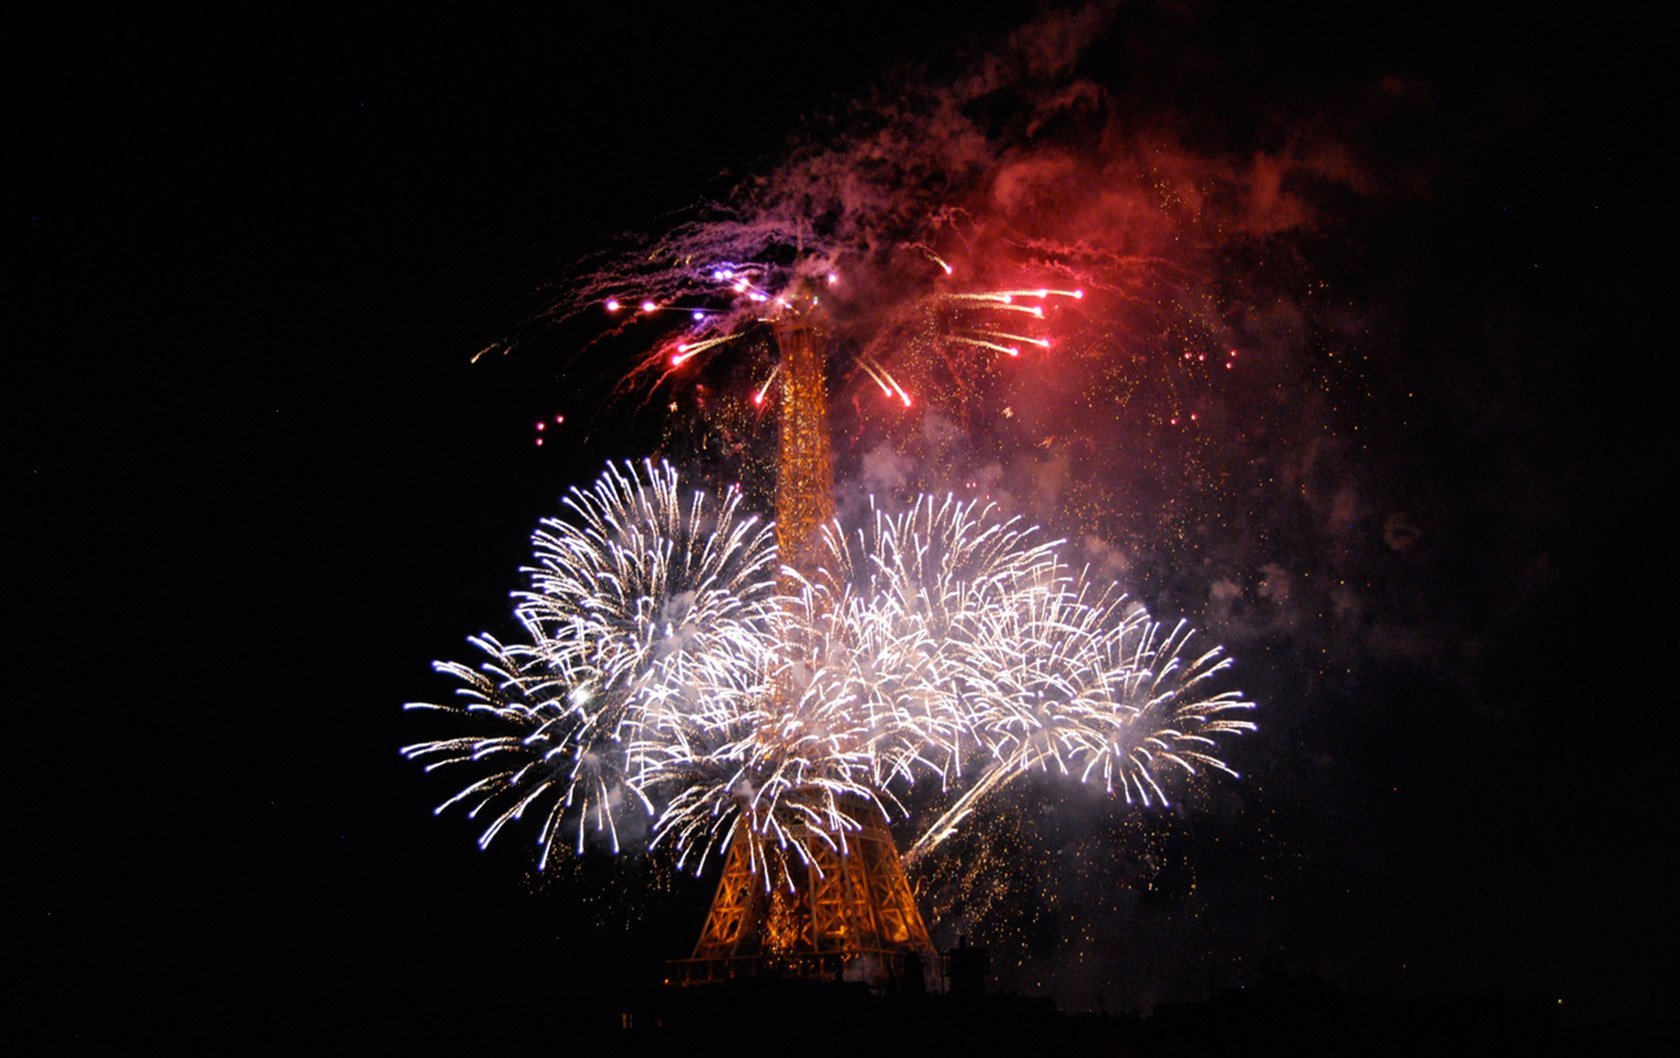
pixel 258 488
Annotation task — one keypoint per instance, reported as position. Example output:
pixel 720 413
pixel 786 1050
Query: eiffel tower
pixel 848 915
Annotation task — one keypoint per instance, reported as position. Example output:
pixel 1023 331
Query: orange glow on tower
pixel 850 915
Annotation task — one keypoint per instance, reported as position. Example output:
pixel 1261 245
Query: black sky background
pixel 257 489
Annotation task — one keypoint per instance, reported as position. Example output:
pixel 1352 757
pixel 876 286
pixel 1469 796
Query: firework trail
pixel 659 671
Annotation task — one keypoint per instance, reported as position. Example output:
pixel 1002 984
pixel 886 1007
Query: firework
pixel 1083 684
pixel 660 670
pixel 944 254
pixel 641 621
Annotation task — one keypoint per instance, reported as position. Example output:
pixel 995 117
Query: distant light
pixel 542 425
pixel 648 306
pixel 558 419
pixel 1079 293
pixel 698 315
pixel 833 279
pixel 740 285
pixel 758 398
pixel 613 305
pixel 539 442
pixel 1014 350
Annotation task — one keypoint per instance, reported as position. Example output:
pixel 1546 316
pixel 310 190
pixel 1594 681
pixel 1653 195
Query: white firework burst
pixel 661 667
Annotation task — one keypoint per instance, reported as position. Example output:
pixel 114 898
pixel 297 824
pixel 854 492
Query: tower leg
pixel 848 916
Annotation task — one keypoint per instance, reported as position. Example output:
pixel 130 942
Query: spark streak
pixel 686 351
pixel 984 344
pixel 758 398
pixel 889 385
pixel 1042 343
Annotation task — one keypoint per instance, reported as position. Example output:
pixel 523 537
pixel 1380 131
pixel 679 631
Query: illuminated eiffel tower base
pixel 847 916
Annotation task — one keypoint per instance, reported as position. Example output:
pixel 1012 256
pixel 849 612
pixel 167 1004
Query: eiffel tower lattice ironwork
pixel 849 914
